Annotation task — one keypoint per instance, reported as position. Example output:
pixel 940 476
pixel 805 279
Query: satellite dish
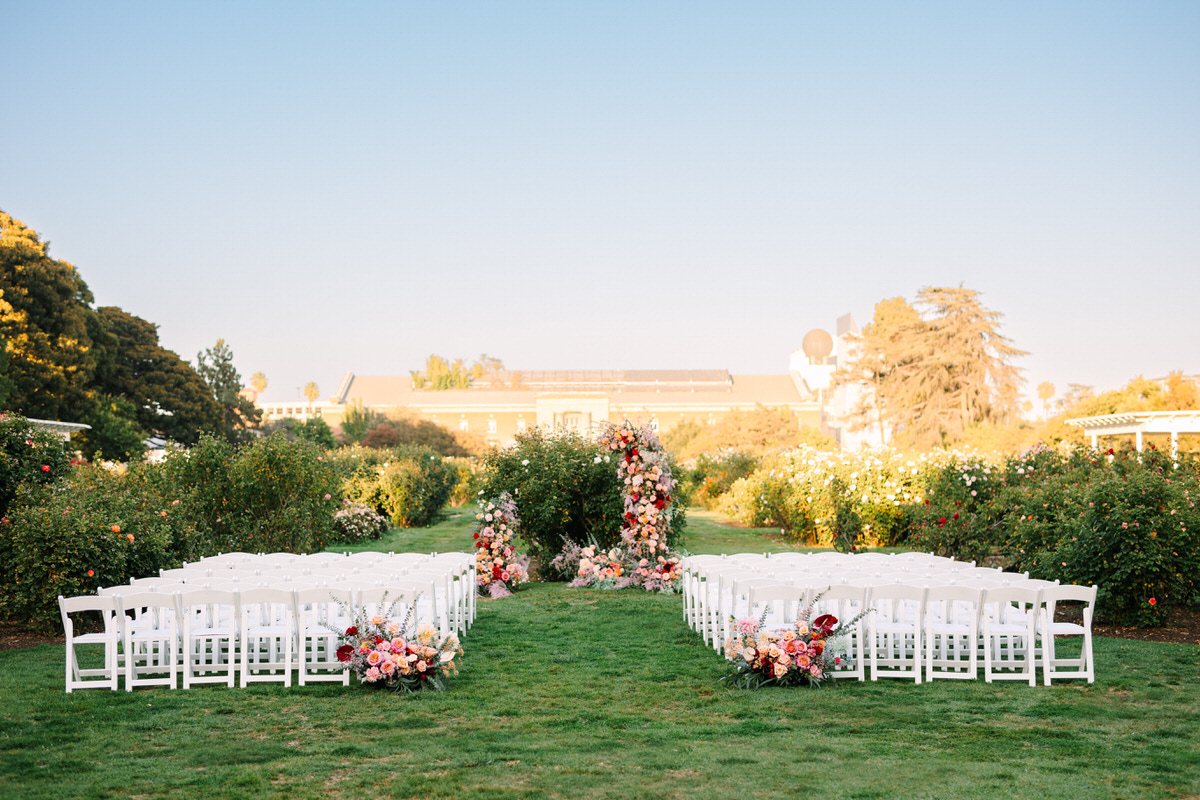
pixel 817 346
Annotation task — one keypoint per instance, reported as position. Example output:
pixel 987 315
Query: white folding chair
pixel 895 631
pixel 1009 618
pixel 208 635
pixel 110 637
pixel 265 631
pixel 1054 666
pixel 390 602
pixel 149 637
pixel 445 604
pixel 952 632
pixel 782 602
pixel 321 615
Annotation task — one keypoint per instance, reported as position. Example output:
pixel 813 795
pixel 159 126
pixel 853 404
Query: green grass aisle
pixel 574 693
pixel 580 694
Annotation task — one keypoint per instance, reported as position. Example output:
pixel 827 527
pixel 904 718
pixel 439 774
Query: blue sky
pixel 335 187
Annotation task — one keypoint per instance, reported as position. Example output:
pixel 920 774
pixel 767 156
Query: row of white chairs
pixel 223 615
pixel 910 623
pixel 208 635
pixel 708 612
pixel 452 576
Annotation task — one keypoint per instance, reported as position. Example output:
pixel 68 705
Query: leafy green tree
pixel 415 432
pixel 356 421
pixel 932 378
pixel 115 433
pixel 7 387
pixel 238 414
pixel 169 397
pixel 317 431
pixel 47 325
pixel 314 429
pixel 960 372
pixel 440 374
pixel 877 356
pixel 748 431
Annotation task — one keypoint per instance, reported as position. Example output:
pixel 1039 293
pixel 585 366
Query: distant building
pixel 503 404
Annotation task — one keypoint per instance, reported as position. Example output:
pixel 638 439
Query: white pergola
pixel 1139 423
pixel 63 429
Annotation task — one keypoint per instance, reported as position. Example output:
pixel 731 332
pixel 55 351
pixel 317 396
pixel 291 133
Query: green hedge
pixel 410 484
pixel 266 496
pixel 94 529
pixel 565 488
pixel 29 455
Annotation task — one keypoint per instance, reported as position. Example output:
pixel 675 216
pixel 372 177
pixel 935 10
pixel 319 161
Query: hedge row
pixel 1126 522
pixel 78 529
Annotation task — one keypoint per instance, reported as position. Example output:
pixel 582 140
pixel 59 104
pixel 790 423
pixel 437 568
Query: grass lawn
pixel 577 693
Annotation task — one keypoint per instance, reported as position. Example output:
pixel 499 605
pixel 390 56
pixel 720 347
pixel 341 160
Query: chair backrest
pixel 387 601
pixel 890 600
pixel 155 609
pixel 105 605
pixel 204 607
pixel 265 606
pixel 1067 592
pixel 1000 602
pixel 315 607
pixel 954 603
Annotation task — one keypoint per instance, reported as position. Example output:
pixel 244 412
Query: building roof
pixel 635 387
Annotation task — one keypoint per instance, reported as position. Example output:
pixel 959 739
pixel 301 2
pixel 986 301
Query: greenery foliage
pixel 356 420
pixel 238 414
pixel 270 495
pixel 468 487
pixel 168 397
pixel 930 378
pixel 408 484
pixel 29 455
pixel 314 429
pixel 355 522
pixel 64 360
pixel 710 475
pixel 756 432
pixel 384 433
pixel 440 374
pixel 814 495
pixel 565 488
pixel 94 529
pixel 1124 522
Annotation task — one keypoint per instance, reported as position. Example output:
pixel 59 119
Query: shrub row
pixel 409 484
pixel 1123 521
pixel 94 528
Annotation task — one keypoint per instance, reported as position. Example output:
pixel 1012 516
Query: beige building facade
pixel 503 404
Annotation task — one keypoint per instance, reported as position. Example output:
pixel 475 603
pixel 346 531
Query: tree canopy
pixel 169 397
pixel 47 326
pixel 63 359
pixel 930 378
pixel 238 414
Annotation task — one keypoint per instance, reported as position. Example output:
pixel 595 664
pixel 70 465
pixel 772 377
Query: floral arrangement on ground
pixel 499 568
pixel 398 655
pixel 801 654
pixel 618 568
